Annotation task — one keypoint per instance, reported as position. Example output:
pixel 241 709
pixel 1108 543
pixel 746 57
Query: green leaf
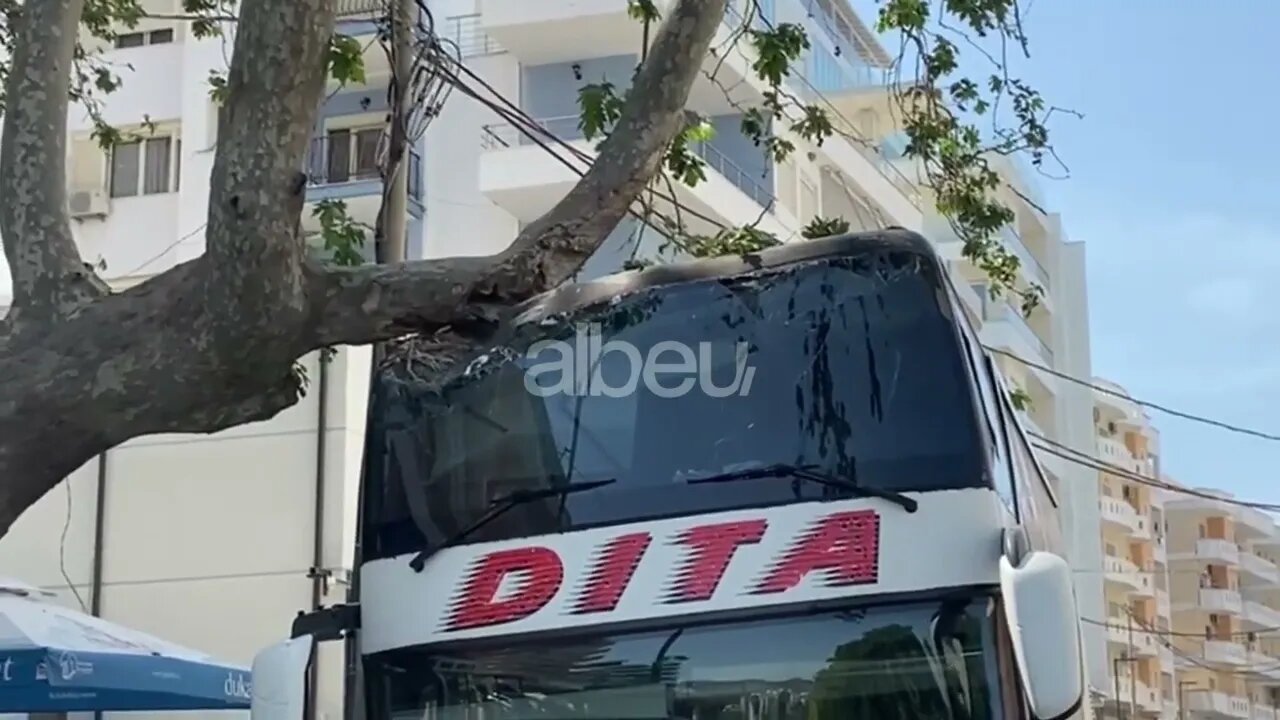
pixel 820 227
pixel 345 59
pixel 599 109
pixel 341 237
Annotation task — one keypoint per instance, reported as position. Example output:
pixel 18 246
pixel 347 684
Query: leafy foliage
pixel 939 111
pixel 821 227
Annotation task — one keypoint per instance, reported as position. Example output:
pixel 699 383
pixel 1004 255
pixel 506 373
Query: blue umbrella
pixel 53 659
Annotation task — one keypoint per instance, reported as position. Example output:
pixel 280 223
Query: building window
pixel 145 167
pixel 138 39
pixel 353 154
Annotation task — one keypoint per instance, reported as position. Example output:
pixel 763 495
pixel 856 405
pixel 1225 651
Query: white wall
pixel 460 219
pixel 1075 430
pixel 208 539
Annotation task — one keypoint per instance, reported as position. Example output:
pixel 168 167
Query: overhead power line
pixel 1058 449
pixel 1221 424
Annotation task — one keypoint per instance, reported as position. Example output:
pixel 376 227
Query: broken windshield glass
pixel 843 365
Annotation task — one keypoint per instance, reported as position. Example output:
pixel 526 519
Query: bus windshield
pixel 923 661
pixel 850 365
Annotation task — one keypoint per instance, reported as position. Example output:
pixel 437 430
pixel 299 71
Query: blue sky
pixel 1174 172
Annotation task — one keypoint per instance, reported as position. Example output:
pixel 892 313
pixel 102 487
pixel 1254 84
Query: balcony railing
pixel 808 92
pixel 468 34
pixel 721 163
pixel 329 165
pixel 1259 566
pixel 1218 549
pixel 1000 309
pixel 1217 702
pixel 1013 241
pixel 1119 512
pixel 567 128
pixel 1220 600
pixel 1228 652
pixel 346 8
pixel 1121 570
pixel 1114 452
pixel 1261 614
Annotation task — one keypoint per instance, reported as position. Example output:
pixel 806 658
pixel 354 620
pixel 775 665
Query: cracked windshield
pixel 840 365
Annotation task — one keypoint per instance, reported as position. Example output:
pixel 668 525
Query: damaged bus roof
pixel 573 296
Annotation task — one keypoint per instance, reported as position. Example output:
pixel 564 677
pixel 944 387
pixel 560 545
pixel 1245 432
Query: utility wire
pixel 1232 427
pixel 1058 449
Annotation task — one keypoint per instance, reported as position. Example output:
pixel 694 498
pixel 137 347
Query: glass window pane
pixel 339 169
pixel 161 36
pixel 367 152
pixel 129 40
pixel 124 169
pixel 157 168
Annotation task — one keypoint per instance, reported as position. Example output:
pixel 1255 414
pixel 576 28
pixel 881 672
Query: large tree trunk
pixel 210 344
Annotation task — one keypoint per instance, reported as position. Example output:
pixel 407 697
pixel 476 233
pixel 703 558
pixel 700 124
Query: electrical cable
pixel 1056 448
pixel 1223 425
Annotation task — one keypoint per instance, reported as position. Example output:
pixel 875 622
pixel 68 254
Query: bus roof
pixel 573 296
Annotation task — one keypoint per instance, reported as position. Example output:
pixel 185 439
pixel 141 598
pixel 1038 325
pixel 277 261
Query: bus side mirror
pixel 280 677
pixel 1040 607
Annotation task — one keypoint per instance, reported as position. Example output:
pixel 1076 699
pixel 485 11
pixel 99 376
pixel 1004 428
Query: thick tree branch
pixel 255 251
pixel 354 305
pixel 49 277
pixel 357 304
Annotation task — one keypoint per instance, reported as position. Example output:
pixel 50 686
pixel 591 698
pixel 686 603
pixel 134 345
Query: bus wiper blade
pixel 814 475
pixel 501 505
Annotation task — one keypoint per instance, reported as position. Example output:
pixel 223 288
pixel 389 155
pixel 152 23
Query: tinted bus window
pixel 849 366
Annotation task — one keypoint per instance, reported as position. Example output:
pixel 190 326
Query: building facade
pixel 1135 559
pixel 218 541
pixel 1225 591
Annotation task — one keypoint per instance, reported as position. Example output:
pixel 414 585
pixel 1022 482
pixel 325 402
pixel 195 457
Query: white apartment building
pixel 217 541
pixel 1134 564
pixel 1225 590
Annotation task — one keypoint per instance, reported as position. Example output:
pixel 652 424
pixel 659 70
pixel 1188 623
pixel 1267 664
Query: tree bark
pixel 211 343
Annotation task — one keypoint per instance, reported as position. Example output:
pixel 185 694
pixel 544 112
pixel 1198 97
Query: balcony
pixel 1226 652
pixel 1213 550
pixel 347 8
pixel 1264 712
pixel 1255 522
pixel 1114 452
pixel 1013 242
pixel 1220 600
pixel 1138 693
pixel 1122 572
pixel 1259 567
pixel 337 169
pixel 1216 702
pixel 1261 614
pixel 1120 513
pixel 1020 338
pixel 522 178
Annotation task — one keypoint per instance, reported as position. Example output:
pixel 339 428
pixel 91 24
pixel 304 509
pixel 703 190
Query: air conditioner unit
pixel 89 204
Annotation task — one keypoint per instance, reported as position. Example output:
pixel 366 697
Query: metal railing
pixel 347 8
pixel 567 128
pixel 1013 240
pixel 1000 309
pixel 466 32
pixel 325 168
pixel 718 161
